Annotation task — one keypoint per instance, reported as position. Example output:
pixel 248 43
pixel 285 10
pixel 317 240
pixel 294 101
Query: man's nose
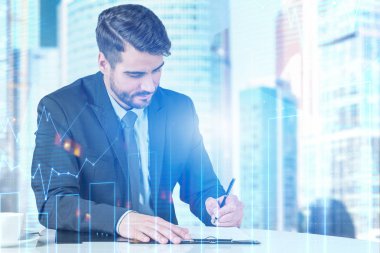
pixel 148 84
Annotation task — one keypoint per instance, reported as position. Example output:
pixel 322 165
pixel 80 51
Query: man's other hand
pixel 230 215
pixel 143 228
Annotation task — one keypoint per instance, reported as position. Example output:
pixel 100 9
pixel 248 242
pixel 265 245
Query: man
pixel 110 147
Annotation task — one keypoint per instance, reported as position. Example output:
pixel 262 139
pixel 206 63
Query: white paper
pixel 217 232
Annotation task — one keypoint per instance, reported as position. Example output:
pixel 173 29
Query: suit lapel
pixel 157 132
pixel 112 127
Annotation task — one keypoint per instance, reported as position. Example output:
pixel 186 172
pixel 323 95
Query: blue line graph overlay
pixel 49 118
pixel 53 171
pixel 8 125
pixel 4 160
pixel 67 173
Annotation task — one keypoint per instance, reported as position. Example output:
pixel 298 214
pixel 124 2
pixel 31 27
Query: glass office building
pixel 3 72
pixel 3 96
pixel 268 162
pixel 20 31
pixel 349 46
pixel 289 31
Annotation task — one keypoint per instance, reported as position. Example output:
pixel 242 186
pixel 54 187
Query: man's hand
pixel 143 227
pixel 230 215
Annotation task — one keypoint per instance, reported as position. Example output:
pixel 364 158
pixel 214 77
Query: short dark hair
pixel 134 24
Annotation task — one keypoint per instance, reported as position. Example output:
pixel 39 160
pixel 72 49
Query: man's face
pixel 133 81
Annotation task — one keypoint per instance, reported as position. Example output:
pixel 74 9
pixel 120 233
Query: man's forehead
pixel 131 56
pixel 141 68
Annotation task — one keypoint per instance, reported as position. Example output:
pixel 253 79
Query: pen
pixel 225 196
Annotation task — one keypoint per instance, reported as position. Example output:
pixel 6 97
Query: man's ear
pixel 104 65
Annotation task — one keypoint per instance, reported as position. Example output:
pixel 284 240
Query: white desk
pixel 271 242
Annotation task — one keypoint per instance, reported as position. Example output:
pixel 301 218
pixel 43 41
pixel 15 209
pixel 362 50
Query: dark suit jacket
pixel 80 171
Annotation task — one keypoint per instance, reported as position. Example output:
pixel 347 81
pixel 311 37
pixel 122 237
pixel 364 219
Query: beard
pixel 133 99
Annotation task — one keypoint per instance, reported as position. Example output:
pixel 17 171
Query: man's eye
pixel 135 75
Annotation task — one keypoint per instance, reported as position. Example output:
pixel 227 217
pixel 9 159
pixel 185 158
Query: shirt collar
pixel 120 111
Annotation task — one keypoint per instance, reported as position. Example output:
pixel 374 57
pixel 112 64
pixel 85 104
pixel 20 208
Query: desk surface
pixel 271 242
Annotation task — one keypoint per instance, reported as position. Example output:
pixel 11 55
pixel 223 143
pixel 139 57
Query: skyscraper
pixel 198 65
pixel 289 35
pixel 268 149
pixel 258 171
pixel 3 73
pixel 287 116
pixel 43 77
pixel 3 91
pixel 21 34
pixel 349 104
pixel 48 23
pixel 296 48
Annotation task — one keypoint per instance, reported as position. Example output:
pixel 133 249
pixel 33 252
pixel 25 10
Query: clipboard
pixel 208 240
pixel 64 237
pixel 219 241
